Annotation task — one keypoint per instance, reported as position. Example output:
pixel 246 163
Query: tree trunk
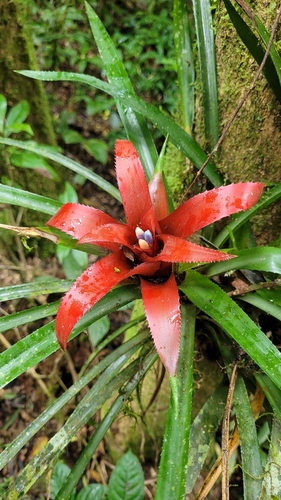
pixel 17 52
pixel 251 150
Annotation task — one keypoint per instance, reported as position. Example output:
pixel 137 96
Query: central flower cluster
pixel 145 238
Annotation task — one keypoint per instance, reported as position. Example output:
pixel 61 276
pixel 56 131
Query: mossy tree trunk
pixel 17 52
pixel 251 150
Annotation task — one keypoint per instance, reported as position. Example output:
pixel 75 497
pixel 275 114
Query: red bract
pixel 145 246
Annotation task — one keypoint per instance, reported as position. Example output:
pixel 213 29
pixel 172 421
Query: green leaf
pixel 252 468
pixel 17 114
pixel 32 290
pixel 265 36
pixel 202 431
pixel 271 392
pixel 96 148
pixel 15 196
pixel 264 304
pixel 171 483
pixel 177 135
pixel 3 110
pixel 272 474
pixel 13 448
pixel 104 425
pixel 16 128
pixel 92 491
pixel 266 259
pixel 28 316
pixel 185 63
pixel 127 479
pixel 134 123
pixel 27 159
pixel 98 330
pixel 215 303
pixel 66 162
pixel 69 194
pixel 106 386
pixel 60 472
pixel 207 60
pixel 42 342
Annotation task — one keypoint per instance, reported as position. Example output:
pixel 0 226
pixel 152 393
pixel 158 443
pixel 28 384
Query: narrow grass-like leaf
pixel 177 135
pixel 271 392
pixel 266 259
pixel 268 198
pixel 207 60
pixel 41 343
pixel 13 448
pixel 215 302
pixel 28 316
pixel 272 476
pixel 136 128
pixel 250 451
pixel 66 162
pixel 255 48
pixel 107 385
pixel 264 305
pixel 185 63
pixel 203 429
pixel 15 196
pixel 35 288
pixel 265 36
pixel 172 475
pixel 109 418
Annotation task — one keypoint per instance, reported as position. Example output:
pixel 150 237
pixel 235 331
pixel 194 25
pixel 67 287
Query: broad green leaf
pixel 66 162
pixel 171 483
pixel 127 479
pixel 214 302
pixel 252 468
pixel 185 63
pixel 17 114
pixel 96 148
pixel 166 125
pixel 27 159
pixel 92 491
pixel 202 431
pixel 98 330
pixel 16 128
pixel 266 259
pixel 134 123
pixel 60 472
pixel 207 60
pixel 3 109
pixel 28 316
pixel 69 194
pixel 21 198
pixel 13 448
pixel 253 45
pixel 41 343
pixel 267 199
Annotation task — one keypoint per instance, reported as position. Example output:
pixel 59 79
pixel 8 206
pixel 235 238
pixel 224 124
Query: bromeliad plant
pixel 147 246
pixel 151 258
